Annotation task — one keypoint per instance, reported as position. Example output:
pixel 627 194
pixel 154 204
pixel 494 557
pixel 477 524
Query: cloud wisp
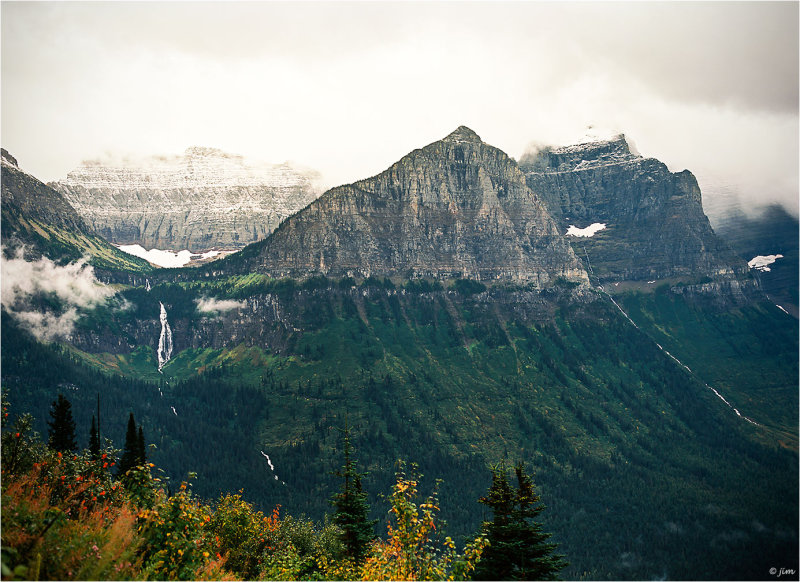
pixel 46 298
pixel 215 306
pixel 348 88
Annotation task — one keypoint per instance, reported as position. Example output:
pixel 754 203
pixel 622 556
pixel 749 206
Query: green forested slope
pixel 641 465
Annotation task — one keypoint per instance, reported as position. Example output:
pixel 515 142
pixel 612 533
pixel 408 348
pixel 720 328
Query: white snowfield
pixel 165 258
pixel 589 231
pixel 761 262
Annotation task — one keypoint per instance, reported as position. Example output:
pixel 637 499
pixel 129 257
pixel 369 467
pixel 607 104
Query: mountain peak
pixel 463 134
pixel 205 152
pixel 8 159
pixel 580 156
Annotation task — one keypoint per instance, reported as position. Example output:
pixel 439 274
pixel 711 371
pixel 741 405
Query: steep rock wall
pixel 655 225
pixel 457 207
pixel 201 200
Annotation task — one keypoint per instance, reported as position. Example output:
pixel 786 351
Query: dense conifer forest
pixel 586 400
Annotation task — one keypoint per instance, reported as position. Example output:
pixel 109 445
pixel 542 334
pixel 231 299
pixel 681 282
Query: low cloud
pixel 211 305
pixel 45 298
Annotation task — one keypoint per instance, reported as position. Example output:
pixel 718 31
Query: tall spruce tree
pixel 94 440
pixel 141 453
pixel 518 547
pixel 352 508
pixel 61 431
pixel 130 453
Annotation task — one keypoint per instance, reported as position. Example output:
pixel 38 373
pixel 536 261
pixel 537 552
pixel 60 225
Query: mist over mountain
pixel 203 199
pixel 773 232
pixel 654 225
pixel 38 222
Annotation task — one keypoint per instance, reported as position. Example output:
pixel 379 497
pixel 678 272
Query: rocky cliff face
pixel 39 221
pixel 201 200
pixel 457 207
pixel 654 222
pixel 26 199
pixel 771 234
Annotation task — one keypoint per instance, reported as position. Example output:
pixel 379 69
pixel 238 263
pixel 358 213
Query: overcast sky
pixel 349 88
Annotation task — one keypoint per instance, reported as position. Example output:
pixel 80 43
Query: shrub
pixel 412 551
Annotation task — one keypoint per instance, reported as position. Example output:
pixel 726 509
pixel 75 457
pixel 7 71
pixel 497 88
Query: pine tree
pixel 130 453
pixel 518 547
pixel 141 453
pixel 61 432
pixel 352 509
pixel 94 440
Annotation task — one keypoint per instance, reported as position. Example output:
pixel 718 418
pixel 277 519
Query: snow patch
pixel 782 309
pixel 168 259
pixel 589 231
pixel 761 262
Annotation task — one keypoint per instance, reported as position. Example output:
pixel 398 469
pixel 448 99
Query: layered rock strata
pixel 655 227
pixel 455 208
pixel 201 200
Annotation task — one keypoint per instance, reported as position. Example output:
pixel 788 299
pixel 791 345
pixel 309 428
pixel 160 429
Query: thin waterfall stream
pixel 164 340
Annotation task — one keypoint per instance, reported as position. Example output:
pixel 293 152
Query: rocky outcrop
pixel 770 232
pixel 38 221
pixel 26 199
pixel 455 208
pixel 201 200
pixel 274 321
pixel 654 222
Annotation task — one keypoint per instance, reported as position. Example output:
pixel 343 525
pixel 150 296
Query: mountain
pixel 653 225
pixel 642 415
pixel 41 222
pixel 773 234
pixel 455 208
pixel 201 200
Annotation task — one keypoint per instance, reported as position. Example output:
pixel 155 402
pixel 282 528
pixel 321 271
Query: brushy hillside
pixel 70 515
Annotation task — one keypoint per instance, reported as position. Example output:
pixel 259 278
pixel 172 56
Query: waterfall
pixel 165 340
pixel 147 285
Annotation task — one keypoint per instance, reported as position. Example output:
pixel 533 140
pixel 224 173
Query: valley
pixel 444 310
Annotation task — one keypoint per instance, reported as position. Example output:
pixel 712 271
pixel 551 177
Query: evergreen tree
pixel 61 432
pixel 130 453
pixel 518 547
pixel 352 509
pixel 94 440
pixel 141 453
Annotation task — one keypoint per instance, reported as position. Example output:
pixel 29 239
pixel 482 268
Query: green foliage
pixel 352 508
pixel 518 547
pixel 572 388
pixel 141 451
pixel 413 550
pixel 468 286
pixel 94 440
pixel 131 453
pixel 422 285
pixel 65 519
pixel 20 444
pixel 299 549
pixel 236 529
pixel 173 547
pixel 62 426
